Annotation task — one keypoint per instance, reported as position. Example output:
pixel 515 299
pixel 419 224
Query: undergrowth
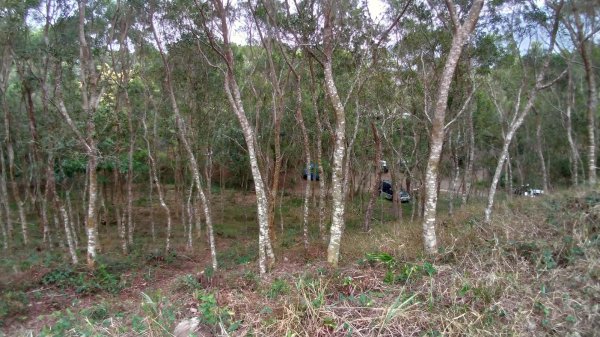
pixel 535 270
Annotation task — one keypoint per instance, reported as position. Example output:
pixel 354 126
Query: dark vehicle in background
pixel 311 173
pixel 527 191
pixel 386 191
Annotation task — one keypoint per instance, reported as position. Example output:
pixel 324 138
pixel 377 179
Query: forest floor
pixel 535 270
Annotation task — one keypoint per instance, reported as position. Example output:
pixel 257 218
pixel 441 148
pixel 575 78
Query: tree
pixel 461 33
pixel 520 112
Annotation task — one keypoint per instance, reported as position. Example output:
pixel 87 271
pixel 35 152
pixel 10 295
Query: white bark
pixel 70 242
pixel 153 172
pixel 574 155
pixel 461 36
pixel 322 178
pixel 183 136
pixel 540 152
pixel 234 97
pixel 519 116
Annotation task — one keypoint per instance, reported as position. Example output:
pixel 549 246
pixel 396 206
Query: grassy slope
pixel 534 271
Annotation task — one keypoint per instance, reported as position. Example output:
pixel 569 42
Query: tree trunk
pixel 592 108
pixel 183 136
pixel 377 183
pixel 233 94
pixel 470 160
pixel 520 115
pixel 339 149
pixel 11 166
pixel 4 195
pixel 154 173
pixel 574 154
pixel 322 177
pixel 460 37
pixel 540 152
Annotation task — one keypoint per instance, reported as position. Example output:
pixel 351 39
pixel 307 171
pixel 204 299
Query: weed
pixel 96 312
pixel 212 314
pixel 187 282
pixel 278 287
pixel 160 313
pixel 12 303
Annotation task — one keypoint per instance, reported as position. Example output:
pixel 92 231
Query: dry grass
pixel 534 271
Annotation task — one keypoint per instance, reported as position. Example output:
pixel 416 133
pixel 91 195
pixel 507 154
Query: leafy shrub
pixel 278 287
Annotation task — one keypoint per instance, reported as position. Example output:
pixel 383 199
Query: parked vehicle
pixel 386 191
pixel 527 191
pixel 311 173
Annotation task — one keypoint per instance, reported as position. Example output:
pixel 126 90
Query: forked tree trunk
pixel 520 115
pixel 60 211
pixel 183 136
pixel 234 97
pixel 154 173
pixel 461 36
pixel 377 183
pixel 90 99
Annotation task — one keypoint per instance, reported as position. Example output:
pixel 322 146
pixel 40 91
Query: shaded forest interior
pixel 217 149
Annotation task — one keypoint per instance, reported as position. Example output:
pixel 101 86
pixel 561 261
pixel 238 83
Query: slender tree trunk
pixel 461 36
pixel 574 154
pixel 74 222
pixel 322 177
pixel 520 115
pixel 455 175
pixel 183 134
pixel 11 167
pixel 377 183
pixel 4 194
pixel 339 149
pixel 151 203
pixel 234 97
pixel 117 202
pixel 190 217
pixel 592 108
pixel 470 160
pixel 540 152
pixel 4 232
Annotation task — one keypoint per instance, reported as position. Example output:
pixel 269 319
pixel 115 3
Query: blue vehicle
pixel 386 191
pixel 311 173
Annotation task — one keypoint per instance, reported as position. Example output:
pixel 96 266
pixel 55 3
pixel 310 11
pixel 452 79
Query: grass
pixel 533 271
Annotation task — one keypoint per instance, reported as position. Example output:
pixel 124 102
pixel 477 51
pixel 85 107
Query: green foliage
pixel 97 312
pixel 12 303
pixel 212 314
pixel 101 279
pixel 160 312
pixel 278 287
pixel 188 282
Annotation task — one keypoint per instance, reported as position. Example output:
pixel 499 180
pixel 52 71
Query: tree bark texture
pixel 234 97
pixel 337 179
pixel 183 136
pixel 520 115
pixel 377 183
pixel 460 37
